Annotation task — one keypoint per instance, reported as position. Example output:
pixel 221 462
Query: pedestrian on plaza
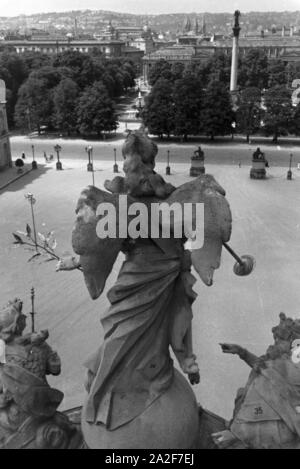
pixel 23 155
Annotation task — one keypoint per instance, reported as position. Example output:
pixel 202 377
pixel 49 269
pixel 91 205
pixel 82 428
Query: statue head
pixel 284 334
pixel 12 321
pixel 237 14
pixel 138 142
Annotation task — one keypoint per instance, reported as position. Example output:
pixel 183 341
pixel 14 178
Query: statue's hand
pixel 194 378
pixel 191 368
pixel 231 348
pixel 68 263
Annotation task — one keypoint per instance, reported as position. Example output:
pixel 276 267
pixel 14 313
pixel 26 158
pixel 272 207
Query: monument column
pixel 235 52
pixel 5 152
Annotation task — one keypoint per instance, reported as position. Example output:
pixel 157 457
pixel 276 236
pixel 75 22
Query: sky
pixel 17 7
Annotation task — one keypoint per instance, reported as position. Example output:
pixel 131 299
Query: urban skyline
pixel 156 7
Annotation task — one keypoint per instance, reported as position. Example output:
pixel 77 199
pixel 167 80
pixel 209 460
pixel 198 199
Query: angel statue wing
pixel 217 222
pixel 97 256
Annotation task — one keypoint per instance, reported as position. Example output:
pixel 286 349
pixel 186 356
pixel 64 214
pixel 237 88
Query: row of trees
pixel 184 108
pixel 255 69
pixel 71 92
pixel 195 100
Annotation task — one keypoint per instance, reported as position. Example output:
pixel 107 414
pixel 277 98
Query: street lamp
pixel 32 201
pixel 168 169
pixel 116 170
pixel 289 173
pixel 34 163
pixel 57 148
pixel 89 150
pixel 90 165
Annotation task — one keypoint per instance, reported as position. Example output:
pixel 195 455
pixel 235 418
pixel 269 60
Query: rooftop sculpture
pixel 267 409
pixel 28 405
pixel 135 396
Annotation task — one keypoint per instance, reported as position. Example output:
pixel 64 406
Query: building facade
pixel 197 49
pixel 111 48
pixel 5 152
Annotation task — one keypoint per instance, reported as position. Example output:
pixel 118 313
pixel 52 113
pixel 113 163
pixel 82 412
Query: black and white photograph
pixel 150 227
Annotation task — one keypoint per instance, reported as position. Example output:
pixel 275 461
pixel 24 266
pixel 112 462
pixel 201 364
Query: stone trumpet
pixel 244 265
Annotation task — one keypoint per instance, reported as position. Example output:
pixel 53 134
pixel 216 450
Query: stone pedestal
pixel 258 170
pixel 197 165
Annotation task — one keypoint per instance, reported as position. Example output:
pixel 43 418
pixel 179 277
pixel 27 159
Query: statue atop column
pixel 236 28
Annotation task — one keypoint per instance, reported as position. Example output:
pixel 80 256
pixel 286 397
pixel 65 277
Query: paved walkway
pixel 10 175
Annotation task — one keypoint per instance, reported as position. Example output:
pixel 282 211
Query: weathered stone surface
pixel 28 416
pixel 266 413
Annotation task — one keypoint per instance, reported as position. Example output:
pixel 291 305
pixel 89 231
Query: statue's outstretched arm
pixel 68 263
pixel 243 353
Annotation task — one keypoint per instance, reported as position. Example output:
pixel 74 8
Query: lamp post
pixel 32 201
pixel 289 173
pixel 168 169
pixel 32 313
pixel 91 159
pixel 116 169
pixel 89 150
pixel 57 148
pixel 34 163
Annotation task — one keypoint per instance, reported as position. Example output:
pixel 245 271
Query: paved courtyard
pixel 266 224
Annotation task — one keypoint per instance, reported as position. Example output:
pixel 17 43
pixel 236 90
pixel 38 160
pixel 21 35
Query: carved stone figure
pixel 141 180
pixel 28 417
pixel 267 409
pixel 136 398
pixel 237 15
pixel 197 163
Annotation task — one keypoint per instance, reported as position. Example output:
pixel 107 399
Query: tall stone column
pixel 5 152
pixel 235 52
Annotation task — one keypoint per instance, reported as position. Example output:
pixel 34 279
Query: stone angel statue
pixel 136 399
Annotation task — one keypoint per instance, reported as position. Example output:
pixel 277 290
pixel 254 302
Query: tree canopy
pixel 45 91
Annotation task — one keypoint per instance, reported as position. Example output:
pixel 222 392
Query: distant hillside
pixel 93 20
